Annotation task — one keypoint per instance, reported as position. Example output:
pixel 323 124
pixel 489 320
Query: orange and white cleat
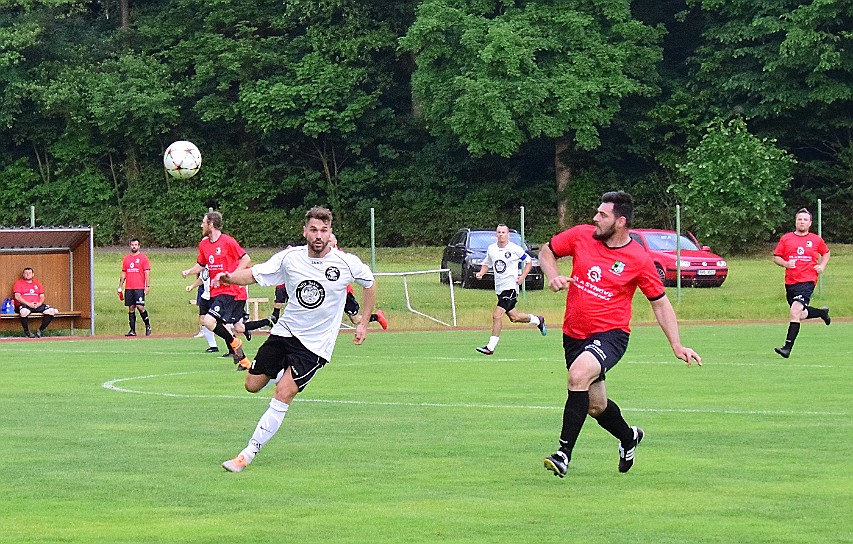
pixel 237 464
pixel 380 318
pixel 240 359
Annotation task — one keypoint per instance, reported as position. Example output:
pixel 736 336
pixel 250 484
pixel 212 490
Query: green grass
pixel 753 291
pixel 414 437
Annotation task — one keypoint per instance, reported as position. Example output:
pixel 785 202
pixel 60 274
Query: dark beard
pixel 605 234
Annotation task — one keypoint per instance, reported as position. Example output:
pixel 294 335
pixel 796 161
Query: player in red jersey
pixel 804 256
pixel 29 298
pixel 136 280
pixel 221 253
pixel 607 268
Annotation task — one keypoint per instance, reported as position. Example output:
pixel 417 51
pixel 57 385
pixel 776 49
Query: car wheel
pixel 661 274
pixel 467 279
pixel 444 276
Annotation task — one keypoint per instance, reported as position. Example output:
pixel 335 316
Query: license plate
pixel 705 272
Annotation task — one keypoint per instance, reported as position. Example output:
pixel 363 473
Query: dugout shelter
pixel 63 261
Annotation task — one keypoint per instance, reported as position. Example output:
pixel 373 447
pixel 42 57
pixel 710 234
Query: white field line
pixel 112 385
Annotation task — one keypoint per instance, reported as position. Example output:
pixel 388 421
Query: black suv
pixel 466 250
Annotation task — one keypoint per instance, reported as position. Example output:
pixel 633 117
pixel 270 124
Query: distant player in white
pixel 504 257
pixel 302 340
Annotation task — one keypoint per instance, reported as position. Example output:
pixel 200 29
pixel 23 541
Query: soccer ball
pixel 182 160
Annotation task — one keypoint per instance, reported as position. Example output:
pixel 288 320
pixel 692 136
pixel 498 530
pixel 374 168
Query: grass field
pixel 414 437
pixel 753 291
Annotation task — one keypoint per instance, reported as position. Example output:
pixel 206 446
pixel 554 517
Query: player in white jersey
pixel 302 340
pixel 504 257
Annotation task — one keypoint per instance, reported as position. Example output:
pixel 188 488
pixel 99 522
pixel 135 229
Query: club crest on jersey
pixel 507 254
pixel 310 294
pixel 618 267
pixel 333 274
pixel 594 274
pixel 808 243
pixel 218 250
pixel 500 267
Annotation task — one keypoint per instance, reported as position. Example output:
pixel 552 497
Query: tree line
pixel 436 113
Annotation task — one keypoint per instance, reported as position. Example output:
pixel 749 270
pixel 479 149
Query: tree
pixel 734 184
pixel 497 74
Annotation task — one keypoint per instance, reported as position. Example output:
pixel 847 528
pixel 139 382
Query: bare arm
pixel 238 277
pixel 821 266
pixel 665 316
pixel 548 263
pixel 483 269
pixel 195 269
pixel 147 280
pixel 245 262
pixel 121 279
pixel 525 272
pixel 782 262
pixel 368 302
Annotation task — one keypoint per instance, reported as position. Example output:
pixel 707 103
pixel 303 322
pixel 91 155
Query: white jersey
pixel 504 263
pixel 318 292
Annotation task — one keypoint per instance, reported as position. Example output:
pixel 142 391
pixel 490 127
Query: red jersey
pixel 223 255
pixel 31 291
pixel 604 281
pixel 134 267
pixel 804 251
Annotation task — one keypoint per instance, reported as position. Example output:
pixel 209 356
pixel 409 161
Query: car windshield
pixel 665 241
pixel 483 239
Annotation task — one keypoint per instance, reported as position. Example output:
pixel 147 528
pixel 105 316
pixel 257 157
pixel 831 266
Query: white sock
pixel 209 336
pixel 534 319
pixel 267 427
pixel 493 342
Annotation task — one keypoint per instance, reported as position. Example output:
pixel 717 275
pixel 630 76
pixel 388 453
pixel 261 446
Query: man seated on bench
pixel 29 298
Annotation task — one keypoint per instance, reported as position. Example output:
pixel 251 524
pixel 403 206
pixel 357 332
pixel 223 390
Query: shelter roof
pixel 43 238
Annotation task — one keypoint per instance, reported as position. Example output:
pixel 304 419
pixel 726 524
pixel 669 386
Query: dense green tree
pixel 733 193
pixel 498 74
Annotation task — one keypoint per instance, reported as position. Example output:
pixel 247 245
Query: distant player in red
pixel 29 298
pixel 136 280
pixel 607 268
pixel 221 253
pixel 804 257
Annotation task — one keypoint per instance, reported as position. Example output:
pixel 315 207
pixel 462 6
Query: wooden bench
pixel 62 320
pixel 252 300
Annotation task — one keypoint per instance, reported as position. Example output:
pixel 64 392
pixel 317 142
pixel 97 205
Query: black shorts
pixel 203 305
pixel 280 352
pixel 351 307
pixel 281 295
pixel 608 347
pixel 134 297
pixel 800 292
pixel 227 309
pixel 40 310
pixel 507 299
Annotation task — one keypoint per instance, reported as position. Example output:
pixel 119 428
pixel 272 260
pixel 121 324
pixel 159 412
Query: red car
pixel 699 267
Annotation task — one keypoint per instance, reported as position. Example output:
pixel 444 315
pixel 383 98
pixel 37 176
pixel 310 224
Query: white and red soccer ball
pixel 182 159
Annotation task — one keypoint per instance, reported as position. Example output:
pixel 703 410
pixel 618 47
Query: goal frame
pixel 409 306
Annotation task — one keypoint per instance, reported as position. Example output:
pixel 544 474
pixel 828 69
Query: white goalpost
pixel 405 276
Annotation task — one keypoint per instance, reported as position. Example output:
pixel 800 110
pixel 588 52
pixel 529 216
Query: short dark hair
pixel 317 212
pixel 803 210
pixel 133 240
pixel 623 205
pixel 214 219
pixel 27 268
